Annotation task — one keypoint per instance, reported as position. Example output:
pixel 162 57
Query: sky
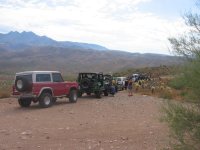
pixel 142 26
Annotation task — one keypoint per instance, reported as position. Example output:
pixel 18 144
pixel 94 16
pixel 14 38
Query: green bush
pixel 184 121
pixel 177 83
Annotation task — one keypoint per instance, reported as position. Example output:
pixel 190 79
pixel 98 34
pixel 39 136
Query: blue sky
pixel 130 25
pixel 170 9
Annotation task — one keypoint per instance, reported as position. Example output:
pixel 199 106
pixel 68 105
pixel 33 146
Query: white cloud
pixel 116 24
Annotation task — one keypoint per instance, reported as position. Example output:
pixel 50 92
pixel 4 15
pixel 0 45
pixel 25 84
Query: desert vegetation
pixel 6 81
pixel 184 118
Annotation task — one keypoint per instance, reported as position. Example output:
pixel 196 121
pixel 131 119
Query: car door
pixel 59 88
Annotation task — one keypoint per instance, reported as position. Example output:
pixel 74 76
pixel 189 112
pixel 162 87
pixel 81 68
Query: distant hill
pixel 79 60
pixel 28 51
pixel 15 41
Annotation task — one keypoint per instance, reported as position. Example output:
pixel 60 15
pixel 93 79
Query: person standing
pixel 130 87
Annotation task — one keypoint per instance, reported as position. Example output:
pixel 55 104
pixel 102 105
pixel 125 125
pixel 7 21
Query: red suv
pixel 43 87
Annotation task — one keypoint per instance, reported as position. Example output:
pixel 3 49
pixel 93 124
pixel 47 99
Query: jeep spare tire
pixel 22 84
pixel 85 83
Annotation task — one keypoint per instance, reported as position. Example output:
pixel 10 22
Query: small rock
pixel 19 147
pixel 124 138
pixel 150 132
pixel 26 133
pixel 23 137
pixel 2 131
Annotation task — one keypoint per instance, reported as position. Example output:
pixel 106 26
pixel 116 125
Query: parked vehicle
pixel 108 85
pixel 121 83
pixel 91 83
pixel 135 77
pixel 43 87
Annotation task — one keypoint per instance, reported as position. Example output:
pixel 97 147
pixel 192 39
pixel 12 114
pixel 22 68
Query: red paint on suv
pixel 43 87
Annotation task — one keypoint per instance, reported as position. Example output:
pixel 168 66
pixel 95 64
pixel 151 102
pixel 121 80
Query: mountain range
pixel 19 41
pixel 28 51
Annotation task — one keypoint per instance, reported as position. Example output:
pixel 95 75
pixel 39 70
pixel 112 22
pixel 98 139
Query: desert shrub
pixel 177 83
pixel 165 94
pixel 184 120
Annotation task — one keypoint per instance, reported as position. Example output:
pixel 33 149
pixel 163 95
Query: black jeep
pixel 91 83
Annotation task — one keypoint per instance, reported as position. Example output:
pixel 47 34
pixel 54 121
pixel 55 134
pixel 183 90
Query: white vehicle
pixel 135 76
pixel 121 82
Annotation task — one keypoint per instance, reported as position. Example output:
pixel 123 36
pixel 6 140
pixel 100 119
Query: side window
pixel 57 77
pixel 43 78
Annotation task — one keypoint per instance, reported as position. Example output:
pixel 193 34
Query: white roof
pixel 36 72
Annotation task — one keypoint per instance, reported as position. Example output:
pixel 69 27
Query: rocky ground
pixel 118 123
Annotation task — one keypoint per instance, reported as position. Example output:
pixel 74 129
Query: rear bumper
pixel 25 95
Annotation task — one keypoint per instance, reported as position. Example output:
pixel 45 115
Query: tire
pixel 73 96
pixel 105 93
pixel 88 93
pixel 24 102
pixel 22 84
pixel 85 83
pixel 98 94
pixel 45 100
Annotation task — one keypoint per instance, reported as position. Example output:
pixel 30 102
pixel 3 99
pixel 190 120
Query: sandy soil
pixel 118 123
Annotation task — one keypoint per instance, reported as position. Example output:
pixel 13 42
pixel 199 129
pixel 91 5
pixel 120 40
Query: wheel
pixel 105 93
pixel 24 102
pixel 98 94
pixel 85 83
pixel 22 84
pixel 73 96
pixel 88 93
pixel 45 100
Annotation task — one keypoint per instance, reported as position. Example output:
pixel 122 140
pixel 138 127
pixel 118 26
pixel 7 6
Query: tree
pixel 184 118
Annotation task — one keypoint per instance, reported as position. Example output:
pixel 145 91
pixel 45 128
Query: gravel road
pixel 111 123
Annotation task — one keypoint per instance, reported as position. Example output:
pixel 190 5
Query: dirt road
pixel 118 123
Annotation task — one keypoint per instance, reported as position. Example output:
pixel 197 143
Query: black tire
pixel 85 83
pixel 98 94
pixel 105 93
pixel 88 93
pixel 22 84
pixel 24 102
pixel 73 96
pixel 45 100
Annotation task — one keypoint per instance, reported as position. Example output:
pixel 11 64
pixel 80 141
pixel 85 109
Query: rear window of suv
pixel 43 78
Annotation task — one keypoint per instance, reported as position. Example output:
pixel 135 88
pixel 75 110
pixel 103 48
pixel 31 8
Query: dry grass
pixel 159 88
pixel 5 85
pixel 5 94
